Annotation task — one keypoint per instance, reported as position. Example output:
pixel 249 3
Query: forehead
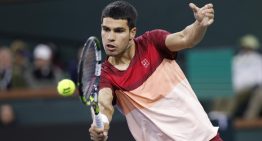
pixel 114 23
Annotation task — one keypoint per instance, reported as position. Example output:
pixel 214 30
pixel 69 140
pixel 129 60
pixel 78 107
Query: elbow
pixel 188 44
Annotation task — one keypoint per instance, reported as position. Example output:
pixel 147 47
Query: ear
pixel 132 33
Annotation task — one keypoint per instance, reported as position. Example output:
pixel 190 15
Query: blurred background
pixel 39 45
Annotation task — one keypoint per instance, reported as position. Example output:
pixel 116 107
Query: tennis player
pixel 143 80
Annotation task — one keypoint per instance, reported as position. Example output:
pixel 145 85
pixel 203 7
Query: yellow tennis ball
pixel 66 87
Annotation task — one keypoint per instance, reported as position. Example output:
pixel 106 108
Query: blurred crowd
pixel 26 67
pixel 20 68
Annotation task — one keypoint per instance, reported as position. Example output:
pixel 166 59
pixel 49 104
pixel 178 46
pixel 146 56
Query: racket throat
pixel 96 108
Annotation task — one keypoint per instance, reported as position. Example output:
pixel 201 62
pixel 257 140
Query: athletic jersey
pixel 155 96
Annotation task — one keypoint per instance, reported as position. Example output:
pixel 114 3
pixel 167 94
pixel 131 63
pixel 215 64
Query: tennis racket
pixel 89 70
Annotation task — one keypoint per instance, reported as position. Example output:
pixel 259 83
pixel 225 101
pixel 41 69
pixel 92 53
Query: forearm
pixel 107 110
pixel 105 99
pixel 193 34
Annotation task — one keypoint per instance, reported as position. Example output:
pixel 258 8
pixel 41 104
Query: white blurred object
pixel 220 117
pixel 247 70
pixel 42 51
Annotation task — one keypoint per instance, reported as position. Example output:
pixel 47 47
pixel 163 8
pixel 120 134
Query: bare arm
pixel 105 102
pixel 193 33
pixel 105 99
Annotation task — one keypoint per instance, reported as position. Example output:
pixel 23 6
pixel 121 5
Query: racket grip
pixel 98 121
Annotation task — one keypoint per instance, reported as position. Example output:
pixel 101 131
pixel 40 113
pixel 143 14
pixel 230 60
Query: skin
pixel 6 114
pixel 6 58
pixel 118 42
pixel 119 45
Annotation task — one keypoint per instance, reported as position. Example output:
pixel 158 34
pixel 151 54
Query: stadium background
pixel 67 23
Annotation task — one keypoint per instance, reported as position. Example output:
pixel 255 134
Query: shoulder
pixel 158 31
pixel 153 33
pixel 156 36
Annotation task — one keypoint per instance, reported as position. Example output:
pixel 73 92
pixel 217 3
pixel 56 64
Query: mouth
pixel 110 47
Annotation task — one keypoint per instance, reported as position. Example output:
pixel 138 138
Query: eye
pixel 106 29
pixel 119 30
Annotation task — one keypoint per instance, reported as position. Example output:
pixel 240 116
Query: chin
pixel 108 53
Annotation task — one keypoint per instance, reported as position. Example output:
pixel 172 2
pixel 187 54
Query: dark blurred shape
pixel 72 66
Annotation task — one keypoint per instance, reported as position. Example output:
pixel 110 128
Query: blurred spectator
pixel 44 72
pixel 247 79
pixel 5 68
pixel 20 63
pixel 7 116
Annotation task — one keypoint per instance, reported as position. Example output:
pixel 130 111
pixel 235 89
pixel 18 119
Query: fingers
pixel 211 11
pixel 208 8
pixel 210 21
pixel 207 12
pixel 193 7
pixel 97 134
pixel 210 5
pixel 206 21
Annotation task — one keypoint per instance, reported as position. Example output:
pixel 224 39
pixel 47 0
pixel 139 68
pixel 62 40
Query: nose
pixel 111 36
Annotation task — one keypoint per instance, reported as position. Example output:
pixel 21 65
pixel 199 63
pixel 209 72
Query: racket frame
pixel 91 98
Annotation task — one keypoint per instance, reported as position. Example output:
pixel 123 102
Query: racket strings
pixel 89 65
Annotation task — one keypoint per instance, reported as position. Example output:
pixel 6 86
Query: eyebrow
pixel 117 28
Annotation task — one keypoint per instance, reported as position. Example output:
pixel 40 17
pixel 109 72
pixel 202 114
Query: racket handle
pixel 98 121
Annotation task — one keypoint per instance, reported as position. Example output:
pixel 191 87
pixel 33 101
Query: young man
pixel 141 77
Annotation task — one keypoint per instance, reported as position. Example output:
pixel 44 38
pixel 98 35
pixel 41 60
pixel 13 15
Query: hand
pixel 97 134
pixel 204 15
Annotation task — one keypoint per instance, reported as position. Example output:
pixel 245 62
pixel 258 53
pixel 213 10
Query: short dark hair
pixel 121 10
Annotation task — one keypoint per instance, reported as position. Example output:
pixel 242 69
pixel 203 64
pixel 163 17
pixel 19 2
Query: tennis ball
pixel 66 87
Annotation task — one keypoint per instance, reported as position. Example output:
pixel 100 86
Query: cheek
pixel 124 38
pixel 102 35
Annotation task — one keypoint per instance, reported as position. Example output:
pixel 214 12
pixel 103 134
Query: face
pixel 6 59
pixel 116 36
pixel 41 63
pixel 7 115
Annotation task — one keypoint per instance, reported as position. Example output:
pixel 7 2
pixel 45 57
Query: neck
pixel 123 60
